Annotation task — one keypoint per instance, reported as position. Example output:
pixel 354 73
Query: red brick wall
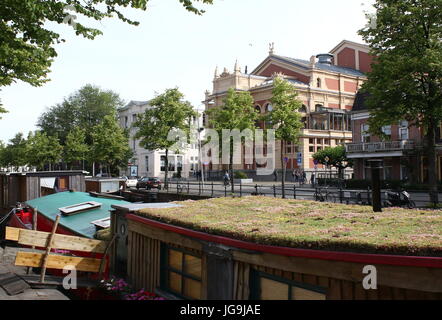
pixel 271 69
pixel 350 86
pixel 332 84
pixel 347 58
pixel 333 105
pixel 365 61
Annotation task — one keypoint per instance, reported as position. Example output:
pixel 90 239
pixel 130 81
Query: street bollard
pixel 212 188
pixel 274 191
pixel 294 191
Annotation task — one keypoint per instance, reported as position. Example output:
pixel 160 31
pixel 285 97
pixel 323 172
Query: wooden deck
pixel 7 266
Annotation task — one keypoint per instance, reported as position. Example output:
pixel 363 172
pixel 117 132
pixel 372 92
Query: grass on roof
pixel 311 225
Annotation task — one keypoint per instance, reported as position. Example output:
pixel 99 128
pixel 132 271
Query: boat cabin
pixel 24 186
pixel 278 249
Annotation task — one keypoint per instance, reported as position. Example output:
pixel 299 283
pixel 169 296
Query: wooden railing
pixel 380 146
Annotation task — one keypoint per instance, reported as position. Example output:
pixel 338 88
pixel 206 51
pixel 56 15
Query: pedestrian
pixel 313 179
pixel 226 178
pixel 304 177
pixel 294 176
pixel 275 176
pixel 297 176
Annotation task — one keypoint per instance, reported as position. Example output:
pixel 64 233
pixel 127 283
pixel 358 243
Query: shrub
pixel 240 175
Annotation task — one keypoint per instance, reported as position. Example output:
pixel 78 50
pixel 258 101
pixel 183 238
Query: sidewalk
pixel 7 265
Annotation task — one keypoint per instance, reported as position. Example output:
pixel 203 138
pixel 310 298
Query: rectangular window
pixel 269 287
pixel 311 149
pixel 319 141
pixel 388 164
pixel 327 141
pixel 134 117
pixel 163 163
pixel 403 130
pixel 171 163
pixel 318 148
pixel 311 141
pixel 365 135
pixel 146 161
pixel 181 272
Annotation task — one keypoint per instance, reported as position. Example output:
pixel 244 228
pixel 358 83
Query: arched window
pixel 258 108
pixel 318 82
pixel 303 108
pixel 269 107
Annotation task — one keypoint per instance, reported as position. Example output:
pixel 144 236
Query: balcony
pixel 385 146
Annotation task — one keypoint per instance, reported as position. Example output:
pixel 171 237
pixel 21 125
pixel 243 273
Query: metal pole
pixel 274 191
pixel 376 166
pixel 294 191
pixel 240 188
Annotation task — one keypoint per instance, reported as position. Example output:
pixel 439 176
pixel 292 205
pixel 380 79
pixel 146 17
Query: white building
pixel 151 163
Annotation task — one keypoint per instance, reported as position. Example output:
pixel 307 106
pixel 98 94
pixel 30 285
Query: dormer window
pixel 318 82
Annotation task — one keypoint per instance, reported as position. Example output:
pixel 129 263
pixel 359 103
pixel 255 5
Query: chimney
pixel 325 58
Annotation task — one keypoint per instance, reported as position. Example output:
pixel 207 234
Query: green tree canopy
pixel 405 83
pixel 84 109
pixel 335 157
pixel 110 144
pixel 27 49
pixel 42 149
pixel 14 154
pixel 284 117
pixel 76 148
pixel 168 112
pixel 236 113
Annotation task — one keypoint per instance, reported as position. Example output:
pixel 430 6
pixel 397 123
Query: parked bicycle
pixel 325 196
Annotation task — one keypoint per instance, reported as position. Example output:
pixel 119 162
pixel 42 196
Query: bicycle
pixel 328 196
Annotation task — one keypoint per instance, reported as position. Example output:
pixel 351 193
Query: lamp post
pixel 327 159
pixel 376 166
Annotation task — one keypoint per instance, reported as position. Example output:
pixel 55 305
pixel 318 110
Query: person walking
pixel 275 176
pixel 294 176
pixel 313 179
pixel 304 177
pixel 226 179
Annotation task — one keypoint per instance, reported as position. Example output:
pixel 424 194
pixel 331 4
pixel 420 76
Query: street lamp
pixel 327 159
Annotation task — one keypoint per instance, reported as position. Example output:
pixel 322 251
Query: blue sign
pixel 315 162
pixel 299 158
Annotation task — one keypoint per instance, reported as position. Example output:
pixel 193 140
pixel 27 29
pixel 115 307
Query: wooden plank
pixel 12 234
pixel 31 259
pixel 40 239
pixel 423 279
pixel 164 235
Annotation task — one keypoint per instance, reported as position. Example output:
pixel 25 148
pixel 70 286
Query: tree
pixel 14 154
pixel 236 113
pixel 335 157
pixel 110 143
pixel 76 148
pixel 27 49
pixel 285 117
pixel 84 109
pixel 405 82
pixel 168 112
pixel 42 149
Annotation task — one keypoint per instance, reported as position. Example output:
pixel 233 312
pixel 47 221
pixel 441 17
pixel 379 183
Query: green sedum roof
pixel 79 223
pixel 311 225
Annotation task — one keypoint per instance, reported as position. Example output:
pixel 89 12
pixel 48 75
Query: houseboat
pixel 277 249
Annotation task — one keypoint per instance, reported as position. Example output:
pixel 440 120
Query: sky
pixel 174 48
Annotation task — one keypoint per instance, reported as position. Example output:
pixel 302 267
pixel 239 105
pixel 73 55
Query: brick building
pixel 402 151
pixel 327 85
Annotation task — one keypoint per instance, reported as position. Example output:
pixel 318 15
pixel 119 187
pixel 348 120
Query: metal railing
pixel 380 146
pixel 292 191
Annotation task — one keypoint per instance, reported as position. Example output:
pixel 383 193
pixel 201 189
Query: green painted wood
pixel 48 206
